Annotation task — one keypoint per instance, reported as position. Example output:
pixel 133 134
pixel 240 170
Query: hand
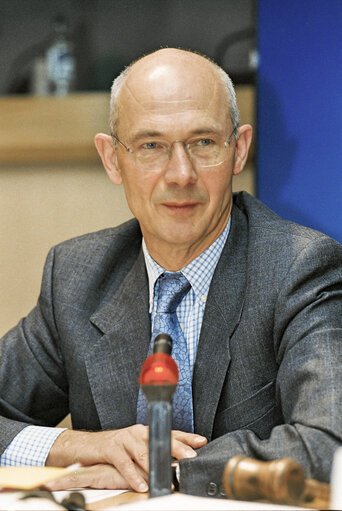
pixel 99 476
pixel 115 459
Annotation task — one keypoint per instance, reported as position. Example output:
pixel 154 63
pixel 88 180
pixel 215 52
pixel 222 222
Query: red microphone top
pixel 159 369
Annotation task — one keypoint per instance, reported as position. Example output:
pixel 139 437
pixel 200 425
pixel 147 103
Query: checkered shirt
pixel 30 447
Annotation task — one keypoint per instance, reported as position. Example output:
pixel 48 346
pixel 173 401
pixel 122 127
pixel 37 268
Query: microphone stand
pixel 158 380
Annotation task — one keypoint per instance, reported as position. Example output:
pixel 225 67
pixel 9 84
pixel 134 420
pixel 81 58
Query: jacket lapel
pixel 222 315
pixel 114 362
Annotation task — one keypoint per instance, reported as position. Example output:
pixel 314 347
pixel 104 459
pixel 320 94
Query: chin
pixel 178 237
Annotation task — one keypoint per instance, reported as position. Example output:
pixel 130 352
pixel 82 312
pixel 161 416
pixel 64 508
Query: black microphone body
pixel 159 390
pixel 162 344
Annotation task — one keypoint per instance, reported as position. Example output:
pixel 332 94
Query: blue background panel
pixel 299 109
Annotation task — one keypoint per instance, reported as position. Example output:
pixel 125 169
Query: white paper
pixel 11 501
pixel 179 501
pixel 176 501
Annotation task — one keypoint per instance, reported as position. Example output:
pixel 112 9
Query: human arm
pixel 52 344
pixel 304 331
pixel 32 379
pixel 115 459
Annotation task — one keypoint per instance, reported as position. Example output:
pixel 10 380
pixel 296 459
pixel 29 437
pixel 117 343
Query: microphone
pixel 158 380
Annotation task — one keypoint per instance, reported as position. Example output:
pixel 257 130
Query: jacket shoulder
pixel 265 223
pixel 94 260
pixel 98 242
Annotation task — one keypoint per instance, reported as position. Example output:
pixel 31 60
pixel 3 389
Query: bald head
pixel 171 76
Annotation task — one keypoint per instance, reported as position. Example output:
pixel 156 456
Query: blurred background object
pixel 60 60
pixel 103 36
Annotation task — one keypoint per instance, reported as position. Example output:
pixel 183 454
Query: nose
pixel 180 169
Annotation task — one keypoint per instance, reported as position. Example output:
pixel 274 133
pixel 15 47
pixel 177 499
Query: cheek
pixel 218 186
pixel 138 190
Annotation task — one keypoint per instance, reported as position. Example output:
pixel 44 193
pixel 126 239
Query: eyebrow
pixel 146 134
pixel 154 133
pixel 206 129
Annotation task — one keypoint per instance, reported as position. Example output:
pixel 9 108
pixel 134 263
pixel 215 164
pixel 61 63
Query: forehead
pixel 162 94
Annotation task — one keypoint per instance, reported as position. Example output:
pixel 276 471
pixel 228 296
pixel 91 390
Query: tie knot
pixel 172 288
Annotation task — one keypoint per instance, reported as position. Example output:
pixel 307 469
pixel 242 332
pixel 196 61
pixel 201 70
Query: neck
pixel 175 257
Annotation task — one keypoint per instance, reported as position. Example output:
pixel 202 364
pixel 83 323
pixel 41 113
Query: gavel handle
pixel 316 494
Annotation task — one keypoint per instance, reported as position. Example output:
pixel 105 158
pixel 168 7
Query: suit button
pixel 212 489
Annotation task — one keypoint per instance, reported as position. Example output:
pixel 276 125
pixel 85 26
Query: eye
pixel 149 145
pixel 205 142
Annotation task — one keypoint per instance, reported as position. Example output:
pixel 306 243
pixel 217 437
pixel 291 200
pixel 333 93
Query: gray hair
pixel 119 81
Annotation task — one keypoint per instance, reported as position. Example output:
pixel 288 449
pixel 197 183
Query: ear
pixel 106 149
pixel 242 145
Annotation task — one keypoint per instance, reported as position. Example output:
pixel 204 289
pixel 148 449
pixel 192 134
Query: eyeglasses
pixel 203 152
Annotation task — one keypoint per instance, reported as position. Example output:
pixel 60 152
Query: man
pixel 262 319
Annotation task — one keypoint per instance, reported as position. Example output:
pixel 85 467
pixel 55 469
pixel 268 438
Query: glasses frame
pixel 129 150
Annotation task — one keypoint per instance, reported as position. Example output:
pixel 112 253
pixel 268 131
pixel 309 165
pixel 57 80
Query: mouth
pixel 180 207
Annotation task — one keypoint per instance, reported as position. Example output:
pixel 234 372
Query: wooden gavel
pixel 280 481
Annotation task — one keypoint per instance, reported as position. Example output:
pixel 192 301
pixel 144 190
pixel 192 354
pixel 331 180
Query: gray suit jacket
pixel 267 378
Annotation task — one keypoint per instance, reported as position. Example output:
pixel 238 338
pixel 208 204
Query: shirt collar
pixel 199 272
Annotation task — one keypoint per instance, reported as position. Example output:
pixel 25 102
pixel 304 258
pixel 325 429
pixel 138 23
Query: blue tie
pixel 172 289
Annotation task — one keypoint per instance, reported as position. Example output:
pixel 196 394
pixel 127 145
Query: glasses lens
pixel 206 152
pixel 202 153
pixel 152 155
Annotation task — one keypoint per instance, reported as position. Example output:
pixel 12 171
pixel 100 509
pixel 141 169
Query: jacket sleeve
pixel 307 336
pixel 32 378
